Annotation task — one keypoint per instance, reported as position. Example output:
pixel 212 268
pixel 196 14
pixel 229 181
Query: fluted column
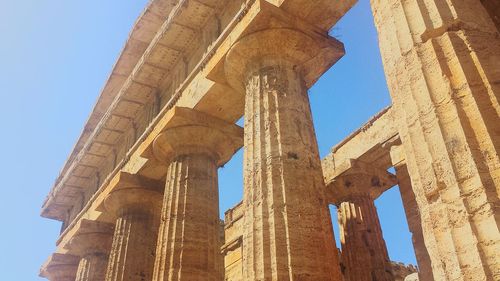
pixel 364 252
pixel 92 243
pixel 414 223
pixel 60 267
pixel 194 145
pixel 287 233
pixel 441 61
pixel 136 207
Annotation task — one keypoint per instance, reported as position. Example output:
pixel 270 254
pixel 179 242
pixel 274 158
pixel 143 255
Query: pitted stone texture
pixel 287 226
pixel 133 250
pixel 188 241
pixel 441 61
pixel 195 144
pixel 414 223
pixel 364 253
pixel 353 189
pixel 135 203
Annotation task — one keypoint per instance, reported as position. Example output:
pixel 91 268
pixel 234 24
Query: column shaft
pixel 133 249
pixel 92 268
pixel 188 240
pixel 441 60
pixel 288 233
pixel 414 223
pixel 364 252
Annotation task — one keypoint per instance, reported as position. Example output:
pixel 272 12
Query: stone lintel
pixel 267 30
pixel 356 178
pixel 185 130
pixel 59 262
pixel 90 237
pixel 371 143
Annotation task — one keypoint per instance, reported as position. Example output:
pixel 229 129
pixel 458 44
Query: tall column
pixel 92 243
pixel 135 205
pixel 195 145
pixel 441 60
pixel 287 228
pixel 364 252
pixel 60 267
pixel 414 223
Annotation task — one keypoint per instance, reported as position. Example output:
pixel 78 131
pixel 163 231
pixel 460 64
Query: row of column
pixel 150 240
pixel 288 233
pixel 448 118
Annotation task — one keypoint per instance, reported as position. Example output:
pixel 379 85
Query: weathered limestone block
pixel 364 252
pixel 195 145
pixel 135 202
pixel 60 267
pixel 287 227
pixel 441 60
pixel 92 243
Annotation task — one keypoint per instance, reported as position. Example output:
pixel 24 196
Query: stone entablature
pixel 182 40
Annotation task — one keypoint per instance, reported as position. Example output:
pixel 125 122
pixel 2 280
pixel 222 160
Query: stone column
pixel 364 252
pixel 135 205
pixel 92 243
pixel 441 61
pixel 414 223
pixel 60 267
pixel 287 229
pixel 195 145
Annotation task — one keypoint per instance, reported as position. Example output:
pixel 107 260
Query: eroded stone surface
pixel 286 214
pixel 227 58
pixel 441 60
pixel 135 204
pixel 194 145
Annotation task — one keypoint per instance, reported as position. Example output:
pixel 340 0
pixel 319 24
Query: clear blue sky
pixel 54 59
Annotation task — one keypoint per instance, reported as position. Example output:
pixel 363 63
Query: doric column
pixel 60 267
pixel 287 229
pixel 441 60
pixel 92 243
pixel 364 252
pixel 414 223
pixel 194 145
pixel 135 202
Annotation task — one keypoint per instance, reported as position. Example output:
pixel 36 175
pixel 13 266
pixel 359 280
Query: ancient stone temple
pixel 138 197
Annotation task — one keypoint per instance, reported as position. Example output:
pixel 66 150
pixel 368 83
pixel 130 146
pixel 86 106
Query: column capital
pixel 310 54
pixel 186 131
pixel 356 178
pixel 60 267
pixel 272 32
pixel 91 237
pixel 133 193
